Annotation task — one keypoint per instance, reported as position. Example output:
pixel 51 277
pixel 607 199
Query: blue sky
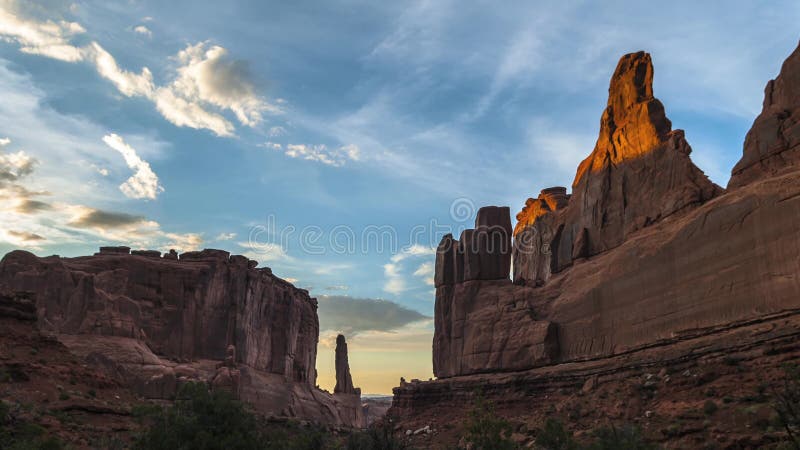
pixel 190 125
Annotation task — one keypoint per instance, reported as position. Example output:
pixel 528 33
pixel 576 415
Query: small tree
pixel 377 437
pixel 485 431
pixel 787 404
pixel 200 419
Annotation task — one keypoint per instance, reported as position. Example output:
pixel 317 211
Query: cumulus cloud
pixel 352 315
pixel 14 166
pixel 208 76
pixel 425 271
pixel 336 157
pixel 206 82
pixel 144 182
pixel 143 30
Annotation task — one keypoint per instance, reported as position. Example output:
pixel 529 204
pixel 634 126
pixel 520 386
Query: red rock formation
pixel 473 292
pixel 648 266
pixel 638 173
pixel 772 145
pixel 156 321
pixel 344 381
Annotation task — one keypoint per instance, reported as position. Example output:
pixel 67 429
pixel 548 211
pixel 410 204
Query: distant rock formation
pixel 158 322
pixel 772 145
pixel 344 382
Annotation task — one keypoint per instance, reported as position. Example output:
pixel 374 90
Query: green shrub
pixel 378 437
pixel 787 404
pixel 199 419
pixel 485 431
pixel 624 438
pixel 204 420
pixel 709 407
pixel 554 436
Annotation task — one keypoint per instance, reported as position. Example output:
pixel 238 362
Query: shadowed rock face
pixel 203 316
pixel 473 294
pixel 344 381
pixel 773 143
pixel 604 273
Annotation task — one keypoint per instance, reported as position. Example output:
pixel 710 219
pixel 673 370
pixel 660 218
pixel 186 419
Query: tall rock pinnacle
pixel 344 381
pixel 773 143
pixel 638 173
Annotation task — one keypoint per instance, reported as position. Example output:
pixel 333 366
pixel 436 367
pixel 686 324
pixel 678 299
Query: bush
pixel 378 437
pixel 787 404
pixel 23 435
pixel 485 431
pixel 553 436
pixel 709 407
pixel 625 438
pixel 205 420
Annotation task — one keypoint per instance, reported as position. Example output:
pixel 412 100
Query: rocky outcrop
pixel 534 236
pixel 344 381
pixel 473 293
pixel 772 145
pixel 648 266
pixel 638 173
pixel 602 272
pixel 206 315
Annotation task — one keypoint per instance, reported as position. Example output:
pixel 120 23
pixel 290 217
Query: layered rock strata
pixel 645 248
pixel 474 295
pixel 649 266
pixel 206 316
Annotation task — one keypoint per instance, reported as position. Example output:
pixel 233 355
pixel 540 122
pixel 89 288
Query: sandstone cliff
pixel 645 268
pixel 646 250
pixel 209 316
pixel 772 145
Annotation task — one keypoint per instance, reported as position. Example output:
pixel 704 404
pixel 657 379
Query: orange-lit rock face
pixel 773 143
pixel 634 122
pixel 550 199
pixel 638 173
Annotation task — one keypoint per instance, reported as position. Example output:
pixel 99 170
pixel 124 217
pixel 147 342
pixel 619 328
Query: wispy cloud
pixel 336 157
pixel 352 315
pixel 393 271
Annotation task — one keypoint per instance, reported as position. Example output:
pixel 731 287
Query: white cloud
pixel 128 83
pixel 336 157
pixel 425 271
pixel 4 142
pixel 143 30
pixel 396 281
pixel 46 38
pixel 206 83
pixel 225 236
pixel 272 145
pixel 144 182
pixel 207 75
pixel 276 131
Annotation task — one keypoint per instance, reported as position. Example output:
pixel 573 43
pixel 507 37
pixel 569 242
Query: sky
pixel 337 142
